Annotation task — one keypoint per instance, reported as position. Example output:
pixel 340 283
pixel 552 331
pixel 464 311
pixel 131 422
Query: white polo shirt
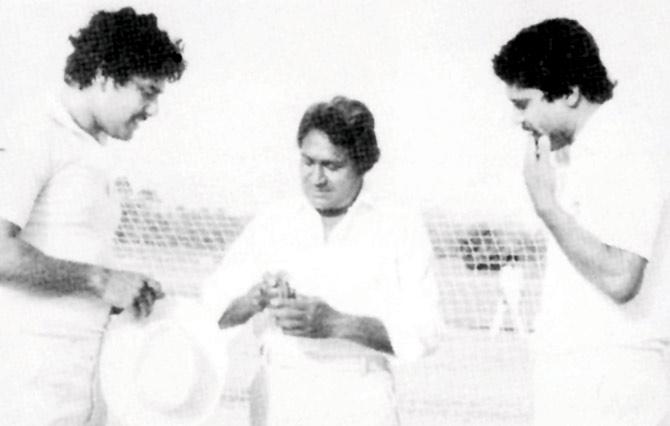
pixel 55 183
pixel 376 263
pixel 607 180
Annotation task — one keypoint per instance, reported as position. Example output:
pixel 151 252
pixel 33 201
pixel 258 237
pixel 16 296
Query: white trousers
pixel 48 380
pixel 325 394
pixel 612 386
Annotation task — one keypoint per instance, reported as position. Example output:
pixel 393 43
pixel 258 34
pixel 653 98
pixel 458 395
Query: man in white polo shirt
pixel 600 332
pixel 337 283
pixel 57 219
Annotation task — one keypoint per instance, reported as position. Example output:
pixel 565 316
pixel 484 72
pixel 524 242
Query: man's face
pixel 121 107
pixel 540 117
pixel 329 178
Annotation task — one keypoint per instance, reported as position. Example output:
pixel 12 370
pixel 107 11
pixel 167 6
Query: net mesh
pixel 488 274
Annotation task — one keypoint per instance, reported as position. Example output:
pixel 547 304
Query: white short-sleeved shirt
pixel 56 185
pixel 608 182
pixel 377 262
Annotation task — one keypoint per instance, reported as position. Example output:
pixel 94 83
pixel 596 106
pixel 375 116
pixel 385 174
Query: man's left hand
pixel 304 316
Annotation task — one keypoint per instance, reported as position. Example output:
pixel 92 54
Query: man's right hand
pixel 272 286
pixel 125 289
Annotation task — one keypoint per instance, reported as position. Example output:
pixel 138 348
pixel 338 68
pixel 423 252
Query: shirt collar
pixel 588 144
pixel 63 118
pixel 364 201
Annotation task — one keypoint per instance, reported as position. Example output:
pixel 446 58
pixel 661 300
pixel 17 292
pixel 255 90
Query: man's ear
pixel 573 99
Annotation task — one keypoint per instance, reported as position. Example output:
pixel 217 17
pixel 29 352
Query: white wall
pixel 225 133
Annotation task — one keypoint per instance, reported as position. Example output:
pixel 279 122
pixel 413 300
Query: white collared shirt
pixel 608 183
pixel 376 262
pixel 55 183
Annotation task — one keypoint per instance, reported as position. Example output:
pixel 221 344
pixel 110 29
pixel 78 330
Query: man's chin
pixel 124 135
pixel 319 203
pixel 559 140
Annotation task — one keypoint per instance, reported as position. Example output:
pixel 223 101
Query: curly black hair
pixel 554 56
pixel 121 45
pixel 349 124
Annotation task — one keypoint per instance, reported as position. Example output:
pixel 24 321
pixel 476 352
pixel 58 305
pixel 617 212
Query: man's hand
pixel 540 175
pixel 304 316
pixel 256 299
pixel 125 289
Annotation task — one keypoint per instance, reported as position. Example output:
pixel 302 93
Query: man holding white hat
pixel 57 218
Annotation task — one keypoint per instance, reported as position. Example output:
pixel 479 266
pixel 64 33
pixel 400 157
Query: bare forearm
pixel 23 265
pixel 238 312
pixel 366 331
pixel 614 271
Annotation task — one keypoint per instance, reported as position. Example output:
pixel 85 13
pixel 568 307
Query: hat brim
pixel 127 345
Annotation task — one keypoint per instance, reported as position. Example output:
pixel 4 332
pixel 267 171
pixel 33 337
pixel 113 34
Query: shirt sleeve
pixel 24 170
pixel 236 274
pixel 413 320
pixel 625 210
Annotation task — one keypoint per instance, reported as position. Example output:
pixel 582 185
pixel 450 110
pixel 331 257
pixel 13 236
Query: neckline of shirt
pixel 584 146
pixel 63 117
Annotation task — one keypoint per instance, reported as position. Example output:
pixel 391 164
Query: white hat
pixel 166 369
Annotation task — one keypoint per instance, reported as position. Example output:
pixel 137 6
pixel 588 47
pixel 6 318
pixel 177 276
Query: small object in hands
pixel 285 290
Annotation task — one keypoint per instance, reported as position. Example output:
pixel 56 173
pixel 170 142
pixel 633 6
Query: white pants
pixel 327 393
pixel 49 349
pixel 47 379
pixel 610 386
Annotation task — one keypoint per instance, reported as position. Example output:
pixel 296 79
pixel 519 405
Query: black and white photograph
pixel 329 213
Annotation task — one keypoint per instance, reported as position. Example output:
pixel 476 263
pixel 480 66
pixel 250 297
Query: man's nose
pixel 319 176
pixel 152 108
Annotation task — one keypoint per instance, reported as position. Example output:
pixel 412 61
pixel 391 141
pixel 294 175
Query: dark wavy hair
pixel 554 56
pixel 349 124
pixel 121 45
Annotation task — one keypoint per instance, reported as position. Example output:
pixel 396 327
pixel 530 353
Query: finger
pixel 288 313
pixel 147 308
pixel 147 292
pixel 280 301
pixel 543 147
pixel 156 287
pixel 274 293
pixel 143 304
pixel 137 308
pixel 532 149
pixel 148 295
pixel 147 305
pixel 269 279
pixel 289 324
pixel 296 332
pixel 299 301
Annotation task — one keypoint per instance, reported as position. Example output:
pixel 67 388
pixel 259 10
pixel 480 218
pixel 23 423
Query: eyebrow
pixel 325 162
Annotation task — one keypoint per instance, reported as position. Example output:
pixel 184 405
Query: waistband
pixel 357 364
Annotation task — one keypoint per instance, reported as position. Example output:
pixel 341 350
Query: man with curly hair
pixel 57 218
pixel 603 323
